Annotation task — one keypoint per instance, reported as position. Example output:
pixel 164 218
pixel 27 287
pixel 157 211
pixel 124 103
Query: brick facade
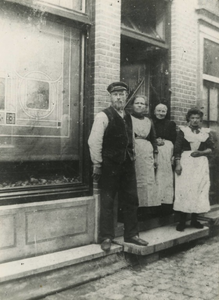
pixel 184 58
pixel 107 50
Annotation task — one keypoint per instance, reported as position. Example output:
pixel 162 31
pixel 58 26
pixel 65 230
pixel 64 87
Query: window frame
pixel 84 188
pixel 134 33
pixel 211 35
pixel 82 17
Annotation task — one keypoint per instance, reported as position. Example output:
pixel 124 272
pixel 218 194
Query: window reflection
pixel 39 100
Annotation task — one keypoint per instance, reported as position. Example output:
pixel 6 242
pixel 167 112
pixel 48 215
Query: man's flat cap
pixel 117 86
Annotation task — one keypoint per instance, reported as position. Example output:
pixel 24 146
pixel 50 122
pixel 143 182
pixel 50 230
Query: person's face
pixel 140 105
pixel 195 120
pixel 160 112
pixel 118 99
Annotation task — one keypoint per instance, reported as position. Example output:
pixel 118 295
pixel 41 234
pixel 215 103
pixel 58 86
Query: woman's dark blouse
pixel 165 129
pixel 183 145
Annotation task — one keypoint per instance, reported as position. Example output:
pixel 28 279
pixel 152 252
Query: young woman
pixel 192 183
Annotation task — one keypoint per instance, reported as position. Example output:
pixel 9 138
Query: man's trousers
pixel 121 179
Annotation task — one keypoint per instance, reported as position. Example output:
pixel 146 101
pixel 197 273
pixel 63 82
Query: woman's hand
pixel 155 162
pixel 178 169
pixel 196 153
pixel 160 142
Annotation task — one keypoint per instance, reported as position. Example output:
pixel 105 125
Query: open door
pixel 139 61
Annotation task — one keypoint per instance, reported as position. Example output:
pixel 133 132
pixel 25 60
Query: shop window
pixel 41 105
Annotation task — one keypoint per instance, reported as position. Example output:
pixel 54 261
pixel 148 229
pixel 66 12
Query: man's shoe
pixel 106 245
pixel 137 241
pixel 197 224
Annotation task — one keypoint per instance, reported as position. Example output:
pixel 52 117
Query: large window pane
pixel 39 100
pixel 211 58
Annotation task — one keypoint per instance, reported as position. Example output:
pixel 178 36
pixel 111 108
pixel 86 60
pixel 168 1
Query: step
pixel 212 216
pixel 36 277
pixel 214 207
pixel 148 224
pixel 48 262
pixel 163 238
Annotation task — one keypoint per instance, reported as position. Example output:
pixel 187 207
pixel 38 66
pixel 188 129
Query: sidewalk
pixel 189 275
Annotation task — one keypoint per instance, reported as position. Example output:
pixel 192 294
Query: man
pixel 111 149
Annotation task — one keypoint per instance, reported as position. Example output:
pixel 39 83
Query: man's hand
pixel 97 173
pixel 96 177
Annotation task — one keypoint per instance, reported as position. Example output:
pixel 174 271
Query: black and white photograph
pixel 109 150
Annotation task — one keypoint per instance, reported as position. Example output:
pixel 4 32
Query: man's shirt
pixel 95 140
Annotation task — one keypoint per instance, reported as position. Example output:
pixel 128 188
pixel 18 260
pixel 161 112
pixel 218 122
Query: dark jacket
pixel 118 137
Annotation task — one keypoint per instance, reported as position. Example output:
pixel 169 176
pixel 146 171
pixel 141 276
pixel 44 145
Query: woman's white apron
pixel 192 186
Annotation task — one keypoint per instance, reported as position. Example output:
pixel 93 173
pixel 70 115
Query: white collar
pixel 191 136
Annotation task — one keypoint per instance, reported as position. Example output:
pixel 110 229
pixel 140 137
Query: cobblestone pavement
pixel 191 274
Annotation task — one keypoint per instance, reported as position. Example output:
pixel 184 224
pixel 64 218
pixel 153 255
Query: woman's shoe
pixel 180 227
pixel 196 224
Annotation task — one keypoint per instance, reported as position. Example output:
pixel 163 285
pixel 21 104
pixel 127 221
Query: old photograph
pixel 109 149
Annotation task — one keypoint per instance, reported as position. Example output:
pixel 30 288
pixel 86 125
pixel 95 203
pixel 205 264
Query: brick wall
pixel 184 58
pixel 106 64
pixel 105 55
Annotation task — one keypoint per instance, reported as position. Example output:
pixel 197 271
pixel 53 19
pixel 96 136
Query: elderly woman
pixel 192 183
pixel 166 136
pixel 146 152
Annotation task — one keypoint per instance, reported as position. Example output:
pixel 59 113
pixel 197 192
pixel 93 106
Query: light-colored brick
pixel 184 58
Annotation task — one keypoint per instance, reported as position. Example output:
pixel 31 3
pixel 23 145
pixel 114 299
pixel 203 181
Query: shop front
pixel 45 189
pixel 57 58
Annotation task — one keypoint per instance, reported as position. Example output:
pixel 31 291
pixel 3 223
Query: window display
pixel 40 100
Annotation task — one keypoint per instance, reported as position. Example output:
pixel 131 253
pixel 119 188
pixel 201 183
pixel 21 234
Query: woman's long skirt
pixel 144 164
pixel 192 186
pixel 164 174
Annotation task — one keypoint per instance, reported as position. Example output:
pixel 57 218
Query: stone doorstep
pixel 158 238
pixel 163 238
pixel 214 207
pixel 40 285
pixel 148 224
pixel 212 216
pixel 49 262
